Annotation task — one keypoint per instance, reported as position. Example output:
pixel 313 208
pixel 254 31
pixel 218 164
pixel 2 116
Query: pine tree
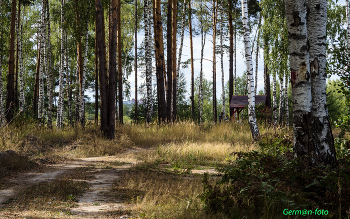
pixel 148 58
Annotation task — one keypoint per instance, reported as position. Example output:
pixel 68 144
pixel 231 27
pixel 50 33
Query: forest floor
pixel 145 172
pixel 96 201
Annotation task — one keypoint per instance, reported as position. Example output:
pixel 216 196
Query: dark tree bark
pixel 192 64
pixel 136 62
pixel 120 73
pixel 11 66
pixel 230 23
pixel 159 49
pixel 79 62
pixel 169 83
pixel 174 32
pixel 112 69
pixel 102 66
pixel 214 61
pixel 96 76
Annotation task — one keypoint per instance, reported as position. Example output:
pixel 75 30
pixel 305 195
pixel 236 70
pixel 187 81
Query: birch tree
pixel 316 28
pixel 59 121
pixel 347 22
pixel 21 83
pixel 251 97
pixel 303 137
pixel 82 98
pixel 281 104
pixel 42 59
pixel 49 72
pixel 148 59
pixel 286 104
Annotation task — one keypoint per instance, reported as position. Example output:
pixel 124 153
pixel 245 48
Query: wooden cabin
pixel 239 102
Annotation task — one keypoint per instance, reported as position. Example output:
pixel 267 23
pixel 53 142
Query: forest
pixel 126 109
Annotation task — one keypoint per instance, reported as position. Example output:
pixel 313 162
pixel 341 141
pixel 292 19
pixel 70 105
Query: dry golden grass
pixel 161 195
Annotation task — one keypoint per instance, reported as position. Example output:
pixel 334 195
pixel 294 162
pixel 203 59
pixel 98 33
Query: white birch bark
pixel 77 93
pixel 286 101
pixel 303 141
pixel 49 72
pixel 20 59
pixel 148 58
pixel 222 60
pixel 42 62
pixel 59 121
pixel 68 87
pixel 274 100
pixel 82 99
pixel 251 97
pixel 347 22
pixel 281 105
pixel 257 56
pixel 316 27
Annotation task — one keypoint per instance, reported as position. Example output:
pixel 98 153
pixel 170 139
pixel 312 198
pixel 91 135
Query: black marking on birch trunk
pixel 314 67
pixel 296 19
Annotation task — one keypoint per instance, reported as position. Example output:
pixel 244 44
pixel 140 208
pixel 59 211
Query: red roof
pixel 242 101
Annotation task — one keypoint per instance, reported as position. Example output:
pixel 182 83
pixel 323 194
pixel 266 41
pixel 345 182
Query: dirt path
pixel 95 202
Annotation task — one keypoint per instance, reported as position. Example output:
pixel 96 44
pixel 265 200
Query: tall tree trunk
pixel 181 45
pixel 192 64
pixel 112 68
pixel 235 57
pixel 214 61
pixel 2 111
pixel 281 105
pixel 174 34
pixel 102 65
pixel 257 56
pixel 136 113
pixel 251 97
pixel 96 75
pixel 120 72
pixel 80 70
pixel 49 72
pixel 274 98
pixel 69 90
pixel 347 22
pixel 148 58
pixel 11 66
pixel 169 84
pixel 230 23
pixel 286 101
pixel 303 136
pixel 36 83
pixel 158 32
pixel 82 95
pixel 59 121
pixel 267 89
pixel 222 59
pixel 20 57
pixel 203 35
pixel 42 61
pixel 316 28
pixel 77 92
pixel 18 23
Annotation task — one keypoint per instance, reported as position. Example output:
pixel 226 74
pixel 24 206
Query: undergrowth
pixel 263 183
